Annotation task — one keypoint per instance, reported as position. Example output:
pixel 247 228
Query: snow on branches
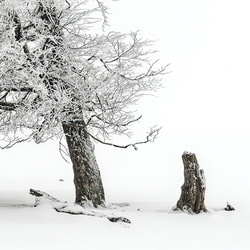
pixel 53 71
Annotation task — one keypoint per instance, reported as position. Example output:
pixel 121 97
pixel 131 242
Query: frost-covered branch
pixel 152 135
pixel 15 89
pixel 7 106
pixel 54 71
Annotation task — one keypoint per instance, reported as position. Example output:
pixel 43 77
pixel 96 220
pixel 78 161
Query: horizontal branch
pixel 12 143
pixel 150 138
pixel 113 123
pixel 22 89
pixel 7 106
pixel 150 72
pixel 11 106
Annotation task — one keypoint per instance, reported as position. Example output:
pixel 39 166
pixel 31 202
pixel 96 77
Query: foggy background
pixel 203 108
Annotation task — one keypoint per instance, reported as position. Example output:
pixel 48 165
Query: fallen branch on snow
pixel 64 207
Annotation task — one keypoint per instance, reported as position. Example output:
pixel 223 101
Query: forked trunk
pixel 87 177
pixel 193 190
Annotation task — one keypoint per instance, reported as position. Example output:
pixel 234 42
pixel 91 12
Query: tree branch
pixel 22 89
pixel 150 138
pixel 14 142
pixel 4 95
pixel 111 123
pixel 149 73
pixel 7 106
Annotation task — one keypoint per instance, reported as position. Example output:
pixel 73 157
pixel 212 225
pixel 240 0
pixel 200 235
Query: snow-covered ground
pixel 154 225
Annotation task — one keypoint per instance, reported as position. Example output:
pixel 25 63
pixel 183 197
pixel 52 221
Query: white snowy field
pixel 137 194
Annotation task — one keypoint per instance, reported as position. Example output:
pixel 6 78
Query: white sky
pixel 204 107
pixel 207 43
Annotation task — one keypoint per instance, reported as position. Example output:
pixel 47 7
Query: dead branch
pixel 7 106
pixel 64 207
pixel 150 138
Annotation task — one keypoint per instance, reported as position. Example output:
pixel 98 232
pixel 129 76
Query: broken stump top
pixel 189 159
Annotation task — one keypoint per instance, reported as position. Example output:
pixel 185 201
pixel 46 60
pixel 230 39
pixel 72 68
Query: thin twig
pixel 150 138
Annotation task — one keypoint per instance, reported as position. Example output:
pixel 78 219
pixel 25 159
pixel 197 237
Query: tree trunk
pixel 87 177
pixel 193 190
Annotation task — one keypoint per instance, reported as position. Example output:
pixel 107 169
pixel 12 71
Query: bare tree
pixel 57 79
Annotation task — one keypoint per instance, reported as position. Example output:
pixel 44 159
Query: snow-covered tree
pixel 57 78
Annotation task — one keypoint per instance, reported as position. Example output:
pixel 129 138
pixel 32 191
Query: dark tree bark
pixel 87 177
pixel 193 190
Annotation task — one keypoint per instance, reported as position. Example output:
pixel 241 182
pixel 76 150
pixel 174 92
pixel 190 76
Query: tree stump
pixel 193 190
